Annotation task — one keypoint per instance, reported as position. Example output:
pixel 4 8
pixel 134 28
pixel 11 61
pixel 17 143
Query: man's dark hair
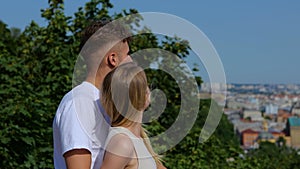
pixel 114 31
pixel 91 29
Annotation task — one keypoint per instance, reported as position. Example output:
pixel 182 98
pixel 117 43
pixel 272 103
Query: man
pixel 80 127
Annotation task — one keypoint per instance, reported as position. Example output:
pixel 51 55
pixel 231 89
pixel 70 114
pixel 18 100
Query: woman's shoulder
pixel 120 144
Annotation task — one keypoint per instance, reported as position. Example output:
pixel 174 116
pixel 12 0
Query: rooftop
pixel 265 136
pixel 294 121
pixel 248 131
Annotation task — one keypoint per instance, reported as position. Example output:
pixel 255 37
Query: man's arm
pixel 78 159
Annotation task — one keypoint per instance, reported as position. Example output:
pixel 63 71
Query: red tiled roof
pixel 276 132
pixel 249 131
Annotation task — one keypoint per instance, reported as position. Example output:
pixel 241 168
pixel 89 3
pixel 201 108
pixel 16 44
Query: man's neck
pixel 97 78
pixel 94 80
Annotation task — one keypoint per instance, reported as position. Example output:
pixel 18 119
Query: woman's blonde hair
pixel 124 96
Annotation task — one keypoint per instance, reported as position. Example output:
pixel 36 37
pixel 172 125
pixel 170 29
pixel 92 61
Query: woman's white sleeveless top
pixel 145 159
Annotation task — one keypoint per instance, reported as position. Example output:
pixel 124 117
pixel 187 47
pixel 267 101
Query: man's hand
pixel 78 159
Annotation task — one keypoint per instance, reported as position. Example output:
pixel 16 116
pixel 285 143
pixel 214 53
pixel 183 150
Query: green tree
pixel 269 155
pixel 214 153
pixel 36 71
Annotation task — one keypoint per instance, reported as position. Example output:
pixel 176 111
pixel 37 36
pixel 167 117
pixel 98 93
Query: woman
pixel 125 96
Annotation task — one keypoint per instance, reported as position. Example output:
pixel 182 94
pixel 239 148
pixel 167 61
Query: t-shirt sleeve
pixel 72 134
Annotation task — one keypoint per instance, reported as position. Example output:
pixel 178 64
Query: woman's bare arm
pixel 119 152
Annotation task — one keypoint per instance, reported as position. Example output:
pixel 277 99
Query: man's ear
pixel 112 59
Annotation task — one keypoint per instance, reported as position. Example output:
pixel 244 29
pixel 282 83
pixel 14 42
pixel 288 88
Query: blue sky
pixel 257 41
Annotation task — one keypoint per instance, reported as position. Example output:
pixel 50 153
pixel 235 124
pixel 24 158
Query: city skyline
pixel 258 42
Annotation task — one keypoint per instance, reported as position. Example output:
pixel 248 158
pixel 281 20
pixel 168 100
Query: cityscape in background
pixel 260 112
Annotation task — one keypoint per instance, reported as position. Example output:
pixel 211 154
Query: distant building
pixel 235 104
pixel 232 115
pixel 254 115
pixel 293 130
pixel 276 134
pixel 265 136
pixel 268 135
pixel 276 126
pixel 248 138
pixel 271 109
pixel 283 115
pixel 295 110
pixel 251 138
pixel 243 125
pixel 213 87
pixel 288 141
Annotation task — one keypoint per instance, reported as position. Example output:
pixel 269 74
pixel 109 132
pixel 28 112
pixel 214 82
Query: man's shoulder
pixel 82 91
pixel 80 98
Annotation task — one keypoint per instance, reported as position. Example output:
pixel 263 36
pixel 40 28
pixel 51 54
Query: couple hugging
pixel 98 123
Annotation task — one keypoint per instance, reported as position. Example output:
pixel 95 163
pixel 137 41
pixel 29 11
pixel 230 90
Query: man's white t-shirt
pixel 80 123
